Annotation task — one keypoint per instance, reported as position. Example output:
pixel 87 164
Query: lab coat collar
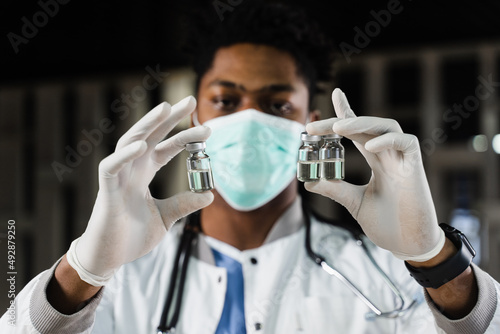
pixel 289 222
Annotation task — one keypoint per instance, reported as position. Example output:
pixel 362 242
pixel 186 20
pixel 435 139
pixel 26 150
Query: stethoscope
pixel 191 230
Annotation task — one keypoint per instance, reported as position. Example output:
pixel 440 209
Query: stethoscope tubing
pixel 181 259
pixel 189 235
pixel 321 261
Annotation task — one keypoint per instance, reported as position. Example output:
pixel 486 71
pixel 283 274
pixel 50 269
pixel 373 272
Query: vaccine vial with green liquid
pixel 199 170
pixel 308 159
pixel 331 156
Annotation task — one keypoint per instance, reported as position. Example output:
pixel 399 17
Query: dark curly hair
pixel 281 25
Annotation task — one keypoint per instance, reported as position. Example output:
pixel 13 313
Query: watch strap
pixel 449 269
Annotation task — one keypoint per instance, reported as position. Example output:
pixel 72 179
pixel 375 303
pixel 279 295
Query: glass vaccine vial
pixel 199 169
pixel 331 156
pixel 308 160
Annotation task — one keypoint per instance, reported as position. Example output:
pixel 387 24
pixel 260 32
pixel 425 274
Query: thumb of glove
pixel 344 193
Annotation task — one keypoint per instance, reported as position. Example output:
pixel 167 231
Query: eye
pixel 281 108
pixel 225 103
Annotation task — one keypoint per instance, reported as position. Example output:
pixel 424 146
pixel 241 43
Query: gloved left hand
pixel 127 222
pixel 395 209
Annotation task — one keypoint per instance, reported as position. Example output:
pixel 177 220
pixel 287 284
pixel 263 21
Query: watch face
pixel 468 244
pixel 457 237
pixel 448 228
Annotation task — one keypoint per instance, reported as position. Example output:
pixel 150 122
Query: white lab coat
pixel 285 291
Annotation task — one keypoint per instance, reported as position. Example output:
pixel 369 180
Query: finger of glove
pixel 345 113
pixel 344 193
pixel 321 128
pixel 324 127
pixel 406 143
pixel 110 166
pixel 169 148
pixel 182 204
pixel 178 112
pixel 341 105
pixel 145 126
pixel 366 125
pixel 363 129
pixel 357 128
pixel 342 109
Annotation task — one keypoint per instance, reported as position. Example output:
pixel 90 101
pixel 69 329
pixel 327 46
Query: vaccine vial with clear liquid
pixel 199 169
pixel 308 160
pixel 331 156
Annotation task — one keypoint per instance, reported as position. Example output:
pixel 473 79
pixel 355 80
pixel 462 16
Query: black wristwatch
pixel 444 272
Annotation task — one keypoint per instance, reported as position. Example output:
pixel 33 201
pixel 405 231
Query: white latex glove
pixel 395 209
pixel 126 221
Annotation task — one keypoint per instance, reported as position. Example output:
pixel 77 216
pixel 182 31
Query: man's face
pixel 245 76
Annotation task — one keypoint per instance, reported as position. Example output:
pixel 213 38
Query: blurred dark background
pixel 67 75
pixel 96 37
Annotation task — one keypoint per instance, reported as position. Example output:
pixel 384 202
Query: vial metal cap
pixel 304 136
pixel 196 146
pixel 332 136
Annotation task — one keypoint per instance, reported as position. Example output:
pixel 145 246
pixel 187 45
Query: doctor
pixel 249 271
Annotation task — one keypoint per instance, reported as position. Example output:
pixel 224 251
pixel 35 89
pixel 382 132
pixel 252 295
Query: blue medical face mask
pixel 253 156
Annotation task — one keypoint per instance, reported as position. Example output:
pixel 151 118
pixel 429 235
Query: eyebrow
pixel 270 88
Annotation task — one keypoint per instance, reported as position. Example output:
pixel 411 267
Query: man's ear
pixel 313 116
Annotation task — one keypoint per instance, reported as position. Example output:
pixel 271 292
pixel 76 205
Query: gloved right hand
pixel 126 221
pixel 395 208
